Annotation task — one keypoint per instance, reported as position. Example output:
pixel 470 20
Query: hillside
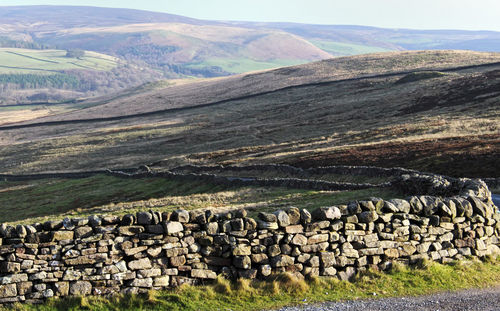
pixel 51 76
pixel 434 111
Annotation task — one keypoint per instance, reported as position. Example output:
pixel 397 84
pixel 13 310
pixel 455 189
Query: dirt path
pixel 470 300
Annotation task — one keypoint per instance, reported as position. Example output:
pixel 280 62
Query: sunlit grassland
pixel 344 49
pixel 21 61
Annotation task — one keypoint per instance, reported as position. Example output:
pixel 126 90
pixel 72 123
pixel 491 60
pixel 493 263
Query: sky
pixel 414 14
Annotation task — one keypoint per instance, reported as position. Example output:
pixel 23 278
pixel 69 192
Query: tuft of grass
pixel 285 289
pixel 290 283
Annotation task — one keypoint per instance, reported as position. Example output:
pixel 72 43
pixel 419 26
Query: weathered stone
pixel 352 219
pixel 72 275
pixel 155 229
pixel 282 261
pixel 144 218
pixel 402 206
pixel 273 250
pixel 83 232
pixel 294 229
pixel 260 258
pixel 242 262
pixel 366 205
pixel 128 220
pixel 416 207
pixel 212 228
pixel 177 261
pixel 318 238
pixel 480 208
pixel 242 250
pixel 330 271
pixel 250 224
pixel 21 231
pixel 130 230
pixel 206 240
pixel 353 208
pixel 326 213
pixel 24 288
pixel 367 217
pixel 237 224
pixel 430 204
pixel 293 215
pixel 327 259
pixel 299 239
pixel 95 221
pixel 199 217
pixel 62 235
pixel 305 216
pixel 282 218
pixel 135 250
pixel 181 216
pixel 203 274
pixel 154 251
pixel 161 281
pixel 348 274
pixel 13 278
pixel 172 227
pixel 87 259
pixel 140 264
pixel 267 217
pixel 147 283
pixel 317 226
pixel 265 270
pixel 80 288
pixel 61 288
pixel 8 290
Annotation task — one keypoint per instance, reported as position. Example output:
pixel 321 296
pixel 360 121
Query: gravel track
pixel 465 300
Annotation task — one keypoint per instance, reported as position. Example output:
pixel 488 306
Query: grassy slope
pixel 212 90
pixel 38 200
pixel 285 290
pixel 49 61
pixel 292 125
pixel 345 49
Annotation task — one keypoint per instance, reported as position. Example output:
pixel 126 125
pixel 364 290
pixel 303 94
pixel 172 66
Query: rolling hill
pixel 127 48
pixel 429 110
pixel 181 46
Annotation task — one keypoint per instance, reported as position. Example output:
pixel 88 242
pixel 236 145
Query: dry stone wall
pixel 103 255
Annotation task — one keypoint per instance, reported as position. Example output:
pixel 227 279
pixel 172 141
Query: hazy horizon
pixel 394 14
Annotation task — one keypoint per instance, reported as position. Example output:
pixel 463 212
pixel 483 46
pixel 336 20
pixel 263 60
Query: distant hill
pixel 151 46
pixel 429 110
pixel 181 46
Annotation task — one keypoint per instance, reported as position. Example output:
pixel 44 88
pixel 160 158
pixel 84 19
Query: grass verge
pixel 284 290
